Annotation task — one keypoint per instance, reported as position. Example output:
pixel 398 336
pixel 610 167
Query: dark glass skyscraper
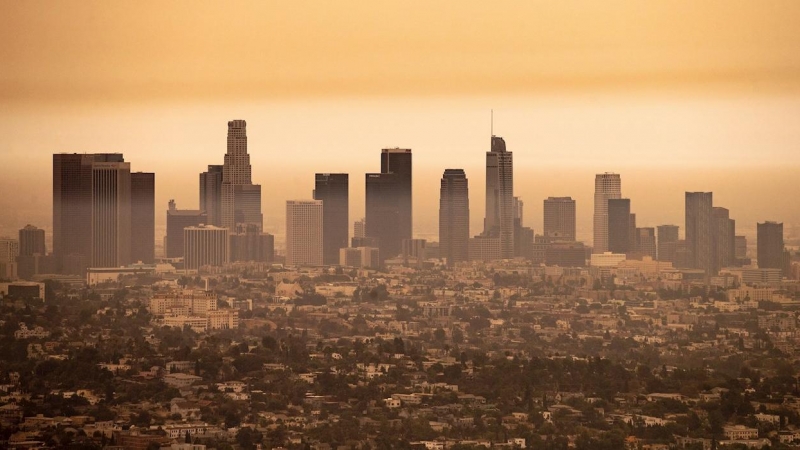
pixel 388 202
pixel 211 194
pixel 31 241
pixel 454 216
pixel 667 242
pixel 177 220
pixel 72 209
pixel 143 217
pixel 770 245
pixel 724 241
pixel 619 225
pixel 699 230
pixel 332 189
pixel 499 221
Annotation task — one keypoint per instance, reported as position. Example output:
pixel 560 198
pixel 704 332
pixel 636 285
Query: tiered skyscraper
pixel 699 238
pixel 241 199
pixel 454 216
pixel 332 189
pixel 499 221
pixel 606 186
pixel 388 202
pixel 559 218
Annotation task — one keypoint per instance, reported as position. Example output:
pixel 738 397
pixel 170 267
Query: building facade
pixel 606 186
pixel 770 245
pixel 177 221
pixel 333 190
pixel 304 228
pixel 241 199
pixel 454 216
pixel 499 220
pixel 205 245
pixel 559 218
pixel 699 229
pixel 143 217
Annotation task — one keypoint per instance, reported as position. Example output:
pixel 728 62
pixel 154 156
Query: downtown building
pixel 333 190
pixel 304 228
pixel 211 194
pixel 388 202
pixel 143 217
pixel 618 221
pixel 724 241
pixel 240 199
pixel 33 258
pixel 177 221
pixel 499 220
pixel 606 186
pixel 699 231
pixel 559 219
pixel 667 242
pixel 770 247
pixel 454 216
pixel 205 245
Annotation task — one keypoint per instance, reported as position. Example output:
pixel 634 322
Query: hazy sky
pixel 674 95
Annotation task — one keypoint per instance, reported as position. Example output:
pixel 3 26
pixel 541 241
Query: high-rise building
pixel 111 214
pixel 248 243
pixel 565 254
pixel 724 241
pixel 72 209
pixel 699 231
pixel 31 241
pixel 454 216
pixel 241 199
pixel 499 221
pixel 143 217
pixel 332 190
pixel 632 242
pixel 770 245
pixel 559 218
pixel 211 194
pixel 646 242
pixel 304 228
pixel 414 252
pixel 606 186
pixel 205 245
pixel 177 221
pixel 388 202
pixel 618 214
pixel 360 228
pixel 9 250
pixel 667 242
pixel 740 249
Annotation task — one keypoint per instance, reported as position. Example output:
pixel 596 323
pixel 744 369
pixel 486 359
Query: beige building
pixel 304 232
pixel 205 245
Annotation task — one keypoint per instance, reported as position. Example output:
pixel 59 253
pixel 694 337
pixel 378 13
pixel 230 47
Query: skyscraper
pixel 241 199
pixel 454 216
pixel 770 245
pixel 388 202
pixel 111 214
pixel 646 242
pixel 606 186
pixel 359 228
pixel 250 244
pixel 304 228
pixel 205 245
pixel 559 218
pixel 699 231
pixel 143 217
pixel 619 225
pixel 667 242
pixel 332 190
pixel 72 209
pixel 724 241
pixel 499 221
pixel 177 221
pixel 31 241
pixel 211 194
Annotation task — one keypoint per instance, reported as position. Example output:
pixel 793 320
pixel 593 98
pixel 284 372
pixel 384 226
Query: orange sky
pixel 674 95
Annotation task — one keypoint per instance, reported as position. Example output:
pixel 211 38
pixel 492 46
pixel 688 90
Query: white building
pixel 304 232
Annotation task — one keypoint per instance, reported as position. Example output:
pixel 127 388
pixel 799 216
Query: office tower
pixel 499 221
pixel 9 250
pixel 606 186
pixel 364 242
pixel 618 221
pixel 211 194
pixel 177 221
pixel 31 241
pixel 72 209
pixel 632 233
pixel 388 202
pixel 241 199
pixel 565 254
pixel 740 247
pixel 699 231
pixel 484 248
pixel 143 217
pixel 414 252
pixel 454 216
pixel 770 245
pixel 724 238
pixel 332 190
pixel 362 257
pixel 360 228
pixel 667 242
pixel 204 245
pixel 398 162
pixel 304 227
pixel 111 214
pixel 517 208
pixel 559 218
pixel 248 243
pixel 646 242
